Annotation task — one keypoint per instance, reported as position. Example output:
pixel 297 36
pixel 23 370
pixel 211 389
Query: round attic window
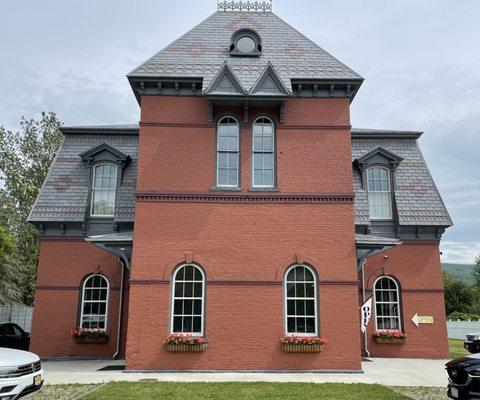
pixel 246 44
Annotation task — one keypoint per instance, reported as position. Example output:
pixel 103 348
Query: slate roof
pixel 202 51
pixel 63 196
pixel 417 197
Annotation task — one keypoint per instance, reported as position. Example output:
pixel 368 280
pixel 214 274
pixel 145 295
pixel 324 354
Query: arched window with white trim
pixel 104 187
pixel 301 316
pixel 228 146
pixel 188 300
pixel 387 303
pixel 263 153
pixel 94 306
pixel 379 189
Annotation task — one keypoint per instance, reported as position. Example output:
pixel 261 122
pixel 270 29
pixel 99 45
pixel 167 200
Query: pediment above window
pixel 105 153
pixel 226 83
pixel 378 156
pixel 269 84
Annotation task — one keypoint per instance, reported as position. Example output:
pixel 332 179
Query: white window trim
pixel 173 298
pixel 274 151
pixel 106 301
pixel 315 334
pixel 92 191
pixel 399 317
pixel 222 151
pixel 390 217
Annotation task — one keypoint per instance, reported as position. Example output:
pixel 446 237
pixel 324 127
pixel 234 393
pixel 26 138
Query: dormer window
pixel 246 42
pixel 104 187
pixel 379 193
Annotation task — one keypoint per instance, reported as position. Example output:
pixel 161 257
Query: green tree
pixel 476 272
pixel 25 158
pixel 458 296
pixel 10 291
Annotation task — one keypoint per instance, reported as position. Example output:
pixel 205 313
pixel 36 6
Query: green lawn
pixel 456 349
pixel 220 391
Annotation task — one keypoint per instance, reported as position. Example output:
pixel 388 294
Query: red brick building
pixel 241 209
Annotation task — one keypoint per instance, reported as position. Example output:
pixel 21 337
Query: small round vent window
pixel 246 44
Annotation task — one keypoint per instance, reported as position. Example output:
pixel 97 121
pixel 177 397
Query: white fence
pixel 18 314
pixel 459 329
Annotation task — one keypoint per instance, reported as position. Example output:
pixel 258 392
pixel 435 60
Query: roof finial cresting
pixel 224 5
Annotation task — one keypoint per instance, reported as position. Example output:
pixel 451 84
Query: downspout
pixel 120 309
pixel 362 266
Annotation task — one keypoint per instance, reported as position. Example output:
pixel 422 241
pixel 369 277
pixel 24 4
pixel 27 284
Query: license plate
pixel 454 392
pixel 37 380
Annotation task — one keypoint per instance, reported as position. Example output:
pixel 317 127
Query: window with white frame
pixel 301 301
pixel 379 193
pixel 188 296
pixel 228 145
pixel 94 306
pixel 387 303
pixel 104 186
pixel 263 149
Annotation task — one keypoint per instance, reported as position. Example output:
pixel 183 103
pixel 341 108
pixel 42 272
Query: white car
pixel 20 373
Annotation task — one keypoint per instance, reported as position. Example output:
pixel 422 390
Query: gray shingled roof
pixel 201 52
pixel 417 197
pixel 64 194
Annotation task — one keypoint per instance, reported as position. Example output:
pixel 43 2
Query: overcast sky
pixel 420 58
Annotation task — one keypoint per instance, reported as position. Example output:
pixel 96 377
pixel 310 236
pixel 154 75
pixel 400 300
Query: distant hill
pixel 461 272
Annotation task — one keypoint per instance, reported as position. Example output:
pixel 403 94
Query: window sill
pixel 266 189
pixel 225 189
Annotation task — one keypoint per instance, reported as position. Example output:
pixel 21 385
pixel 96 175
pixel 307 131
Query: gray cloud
pixel 419 58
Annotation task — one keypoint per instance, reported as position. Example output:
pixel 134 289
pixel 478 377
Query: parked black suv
pixel 472 343
pixel 464 377
pixel 13 337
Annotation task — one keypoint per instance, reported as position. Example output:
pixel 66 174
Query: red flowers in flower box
pixel 299 344
pixel 181 343
pixel 89 335
pixel 389 336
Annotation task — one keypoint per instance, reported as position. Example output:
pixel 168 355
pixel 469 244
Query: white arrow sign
pixel 415 319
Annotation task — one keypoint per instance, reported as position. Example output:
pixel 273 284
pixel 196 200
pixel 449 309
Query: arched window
pixel 228 144
pixel 263 148
pixel 94 307
pixel 188 300
pixel 104 186
pixel 379 193
pixel 301 301
pixel 387 303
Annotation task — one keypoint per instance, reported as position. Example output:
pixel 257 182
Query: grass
pixel 422 393
pixel 456 348
pixel 61 392
pixel 242 391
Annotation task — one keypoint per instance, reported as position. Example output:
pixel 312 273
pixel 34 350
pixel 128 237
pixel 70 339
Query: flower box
pixel 296 344
pixel 389 336
pixel 89 336
pixel 180 343
pixel 185 348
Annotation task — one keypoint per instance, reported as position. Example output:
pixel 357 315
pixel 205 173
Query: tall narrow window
pixel 94 311
pixel 387 303
pixel 104 187
pixel 263 153
pixel 188 300
pixel 228 144
pixel 301 301
pixel 379 193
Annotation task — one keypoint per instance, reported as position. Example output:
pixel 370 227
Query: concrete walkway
pixel 389 372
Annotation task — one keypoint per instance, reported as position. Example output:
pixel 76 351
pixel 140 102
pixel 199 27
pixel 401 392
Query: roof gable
pixel 269 84
pixel 225 83
pixel 104 152
pixel 379 155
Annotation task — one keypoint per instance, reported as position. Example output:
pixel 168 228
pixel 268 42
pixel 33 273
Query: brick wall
pixel 63 265
pixel 416 266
